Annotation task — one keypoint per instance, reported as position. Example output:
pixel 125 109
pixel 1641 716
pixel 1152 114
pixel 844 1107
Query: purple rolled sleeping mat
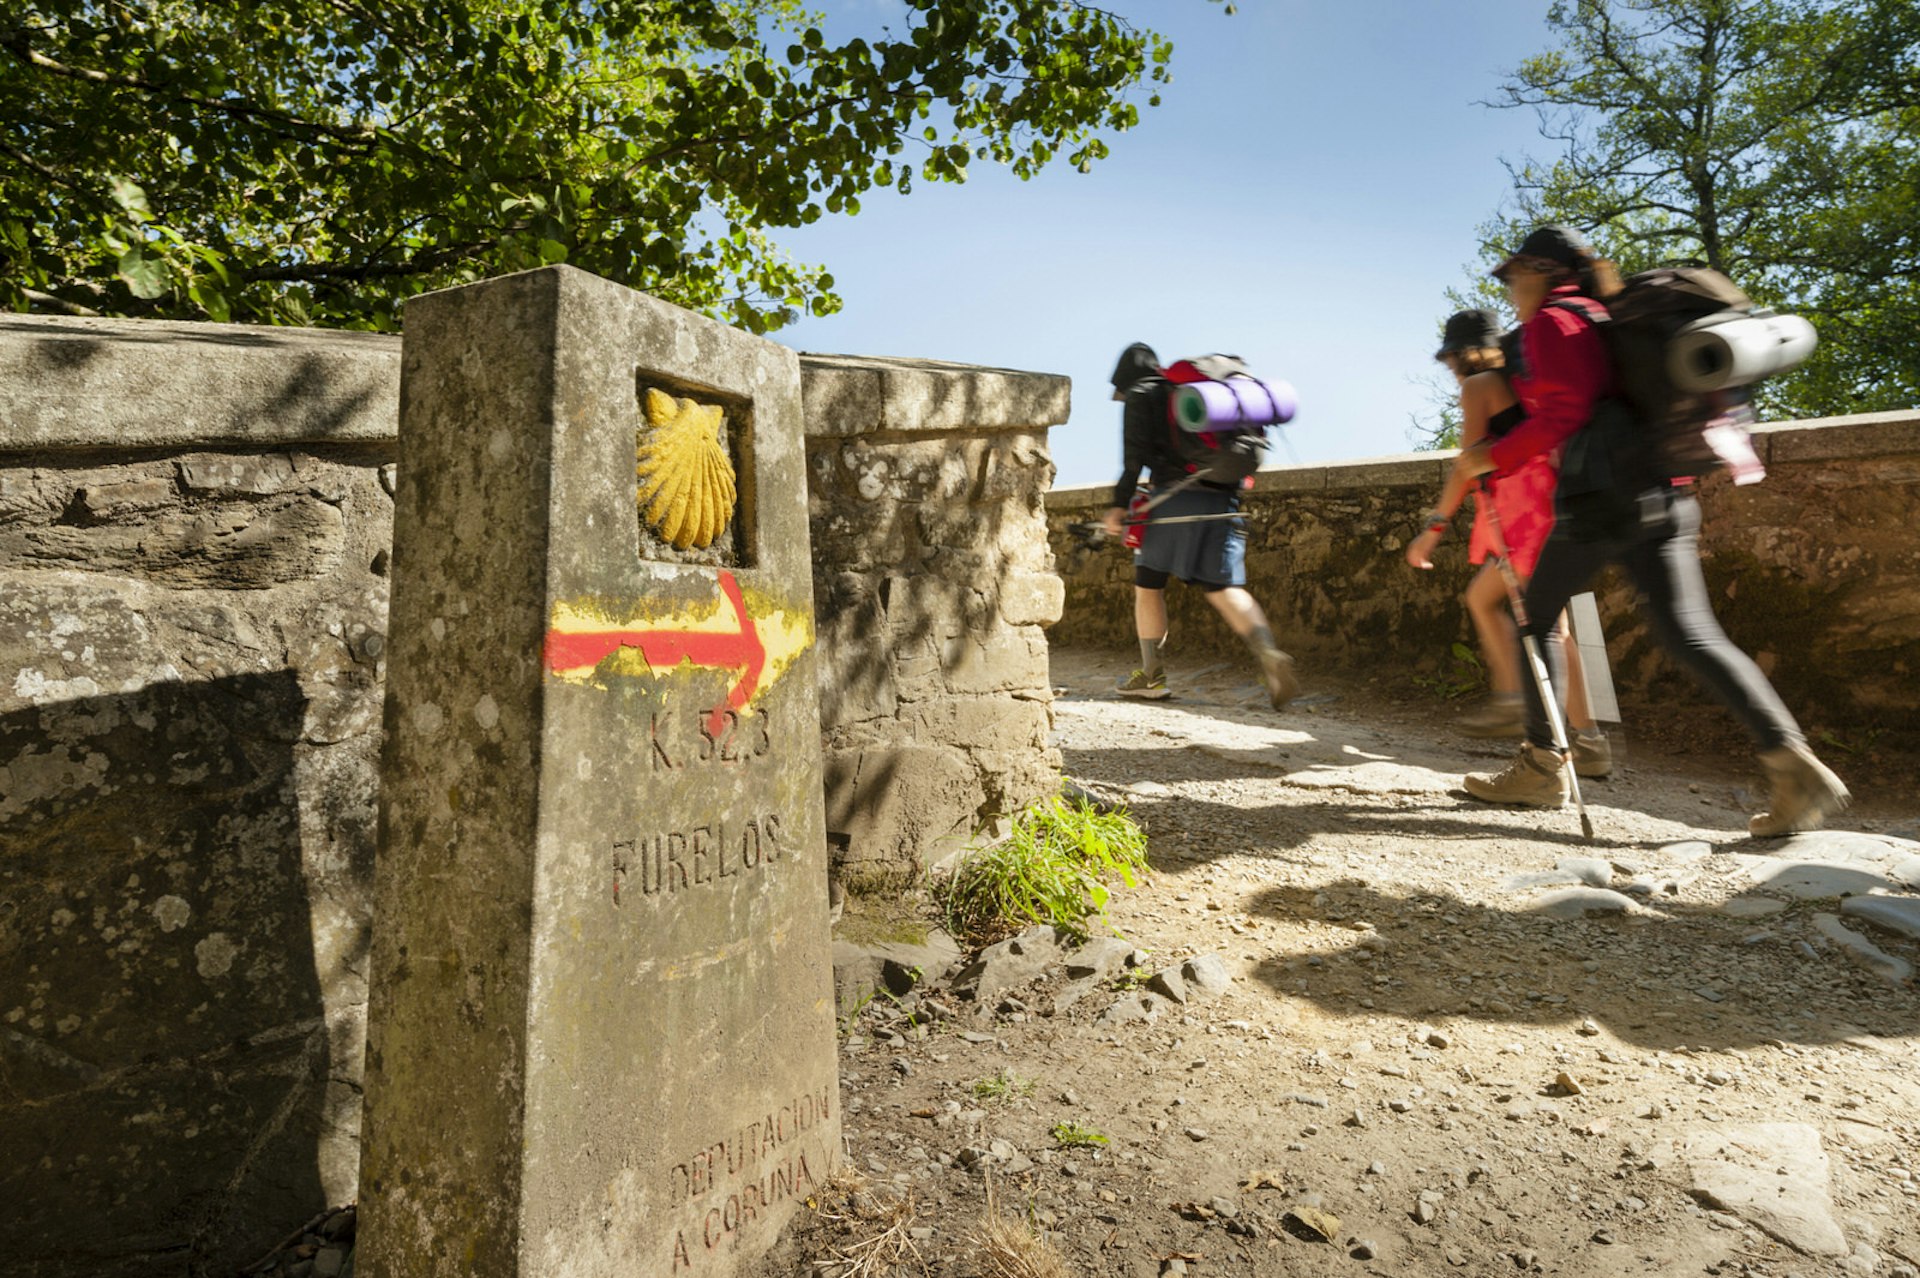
pixel 1237 403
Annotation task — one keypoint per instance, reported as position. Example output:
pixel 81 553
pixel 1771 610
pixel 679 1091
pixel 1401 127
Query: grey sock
pixel 1261 641
pixel 1150 654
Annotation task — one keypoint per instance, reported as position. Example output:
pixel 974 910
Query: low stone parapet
pixel 1815 571
pixel 932 583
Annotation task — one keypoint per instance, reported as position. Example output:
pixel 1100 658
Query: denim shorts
pixel 1210 553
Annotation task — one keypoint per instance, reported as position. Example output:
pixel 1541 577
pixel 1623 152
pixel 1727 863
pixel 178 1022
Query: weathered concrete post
pixel 602 1035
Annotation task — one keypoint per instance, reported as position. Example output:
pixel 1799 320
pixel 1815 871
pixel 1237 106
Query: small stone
pixel 1224 1208
pixel 1604 1237
pixel 1576 903
pixel 1567 1085
pixel 1424 1212
pixel 1589 1027
pixel 1400 1106
pixel 1376 1168
pixel 1435 1038
pixel 1358 1118
pixel 1197 1133
pixel 1588 869
pixel 1891 969
pixel 1363 1249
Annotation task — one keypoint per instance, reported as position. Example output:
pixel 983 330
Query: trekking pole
pixel 1536 661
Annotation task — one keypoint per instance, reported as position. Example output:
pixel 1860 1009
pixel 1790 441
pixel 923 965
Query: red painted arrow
pixel 665 649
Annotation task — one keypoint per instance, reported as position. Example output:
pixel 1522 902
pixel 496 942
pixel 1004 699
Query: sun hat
pixel 1553 247
pixel 1469 331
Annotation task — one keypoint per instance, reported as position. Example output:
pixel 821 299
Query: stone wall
pixel 932 581
pixel 194 537
pixel 1815 571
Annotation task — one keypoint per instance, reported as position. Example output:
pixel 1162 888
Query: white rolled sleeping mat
pixel 1717 354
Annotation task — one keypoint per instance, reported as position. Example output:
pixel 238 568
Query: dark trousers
pixel 1661 556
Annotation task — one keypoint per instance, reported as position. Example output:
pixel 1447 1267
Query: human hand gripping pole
pixel 1536 661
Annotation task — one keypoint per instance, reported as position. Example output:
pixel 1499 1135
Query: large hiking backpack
pixel 1218 413
pixel 1687 345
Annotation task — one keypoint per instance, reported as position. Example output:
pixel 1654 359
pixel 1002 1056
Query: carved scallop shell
pixel 686 478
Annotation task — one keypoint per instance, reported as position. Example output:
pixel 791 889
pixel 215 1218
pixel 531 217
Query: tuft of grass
pixel 1002 1086
pixel 1073 1134
pixel 1468 676
pixel 1012 1248
pixel 1053 867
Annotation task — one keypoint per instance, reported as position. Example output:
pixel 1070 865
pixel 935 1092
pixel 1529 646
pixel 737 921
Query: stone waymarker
pixel 602 1027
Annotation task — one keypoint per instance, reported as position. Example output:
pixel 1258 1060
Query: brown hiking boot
pixel 1276 671
pixel 1494 719
pixel 1592 756
pixel 1536 778
pixel 1804 790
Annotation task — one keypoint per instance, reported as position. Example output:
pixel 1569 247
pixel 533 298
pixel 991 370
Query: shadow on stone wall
pixel 163 1049
pixel 933 582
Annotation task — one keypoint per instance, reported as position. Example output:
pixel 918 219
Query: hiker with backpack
pixel 1473 348
pixel 1192 527
pixel 1625 497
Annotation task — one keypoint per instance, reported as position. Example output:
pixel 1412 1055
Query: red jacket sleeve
pixel 1570 374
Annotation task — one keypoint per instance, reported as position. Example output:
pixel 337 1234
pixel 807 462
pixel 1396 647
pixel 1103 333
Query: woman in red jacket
pixel 1473 348
pixel 1558 287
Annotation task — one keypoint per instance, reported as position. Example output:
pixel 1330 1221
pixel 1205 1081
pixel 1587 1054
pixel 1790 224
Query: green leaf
pixel 130 198
pixel 146 277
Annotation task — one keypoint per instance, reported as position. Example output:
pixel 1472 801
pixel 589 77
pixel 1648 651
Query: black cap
pixel 1546 247
pixel 1469 331
pixel 1137 364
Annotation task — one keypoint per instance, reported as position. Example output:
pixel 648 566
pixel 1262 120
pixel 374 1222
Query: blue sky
pixel 1303 196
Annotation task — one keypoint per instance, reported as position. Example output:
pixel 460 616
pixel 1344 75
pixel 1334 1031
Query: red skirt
pixel 1524 499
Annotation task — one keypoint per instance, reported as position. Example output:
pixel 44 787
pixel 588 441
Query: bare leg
pixel 1239 609
pixel 1486 600
pixel 1246 618
pixel 1150 614
pixel 1579 711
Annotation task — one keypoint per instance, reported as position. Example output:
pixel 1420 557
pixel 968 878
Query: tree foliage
pixel 1774 140
pixel 319 161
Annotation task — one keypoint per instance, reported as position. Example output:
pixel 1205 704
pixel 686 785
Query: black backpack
pixel 1654 429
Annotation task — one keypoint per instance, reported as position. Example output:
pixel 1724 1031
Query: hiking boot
pixel 1497 718
pixel 1148 687
pixel 1536 778
pixel 1276 671
pixel 1803 789
pixel 1592 756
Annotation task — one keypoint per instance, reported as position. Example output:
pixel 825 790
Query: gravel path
pixel 1449 1038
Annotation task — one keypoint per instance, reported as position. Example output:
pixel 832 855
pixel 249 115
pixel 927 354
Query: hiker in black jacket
pixel 1208 552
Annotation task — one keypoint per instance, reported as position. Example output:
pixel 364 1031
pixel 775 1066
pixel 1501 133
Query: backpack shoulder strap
pixel 1591 312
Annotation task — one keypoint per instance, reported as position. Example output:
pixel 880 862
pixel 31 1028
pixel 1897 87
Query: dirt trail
pixel 1408 1043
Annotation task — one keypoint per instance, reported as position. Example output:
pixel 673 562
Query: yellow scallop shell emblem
pixel 686 478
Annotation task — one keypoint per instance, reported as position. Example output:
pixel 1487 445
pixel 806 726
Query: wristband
pixel 1437 522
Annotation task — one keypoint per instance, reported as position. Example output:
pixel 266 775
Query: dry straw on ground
pixel 1010 1246
pixel 881 1245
